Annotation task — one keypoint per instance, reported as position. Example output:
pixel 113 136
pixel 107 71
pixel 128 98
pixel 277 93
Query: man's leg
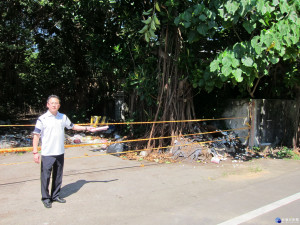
pixel 46 168
pixel 57 176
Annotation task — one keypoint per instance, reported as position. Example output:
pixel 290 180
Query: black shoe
pixel 60 200
pixel 47 203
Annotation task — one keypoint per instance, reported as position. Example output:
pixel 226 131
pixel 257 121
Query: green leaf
pixel 144 29
pixel 147 21
pixel 214 66
pixel 212 24
pixel 226 61
pixel 226 70
pixel 199 9
pixel 262 22
pixel 151 32
pixel 177 20
pixel 254 65
pixel 201 83
pixel 219 84
pixel 287 41
pixel 256 44
pixel 245 6
pixel 235 63
pixel 274 60
pixel 223 78
pixel 207 76
pixel 187 24
pixel 293 17
pixel 282 52
pixel 221 13
pixel 267 39
pixel 249 26
pixel 202 17
pixel 146 13
pixel 156 20
pixel 275 2
pixel 247 61
pixel 153 25
pixel 157 7
pixel 208 13
pixel 187 16
pixel 202 29
pixel 231 7
pixel 284 7
pixel 193 36
pixel 238 50
pixel 261 6
pixel 238 75
pixel 147 36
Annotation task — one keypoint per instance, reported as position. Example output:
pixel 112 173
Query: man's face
pixel 53 105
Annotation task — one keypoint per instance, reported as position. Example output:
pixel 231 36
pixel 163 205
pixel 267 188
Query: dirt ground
pixel 105 189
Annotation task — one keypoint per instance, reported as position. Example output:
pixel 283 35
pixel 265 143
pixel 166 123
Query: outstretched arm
pixel 82 128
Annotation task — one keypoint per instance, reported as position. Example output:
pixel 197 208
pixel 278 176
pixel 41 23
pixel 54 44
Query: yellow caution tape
pixel 24 149
pixel 150 149
pixel 134 123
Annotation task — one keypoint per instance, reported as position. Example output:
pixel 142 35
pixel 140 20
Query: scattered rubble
pixel 209 144
pixel 87 139
pixel 13 137
pixel 23 138
pixel 16 139
pixel 206 146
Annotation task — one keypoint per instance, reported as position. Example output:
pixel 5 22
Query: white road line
pixel 257 212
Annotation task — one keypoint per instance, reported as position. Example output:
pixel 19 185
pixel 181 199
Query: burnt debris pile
pixel 209 144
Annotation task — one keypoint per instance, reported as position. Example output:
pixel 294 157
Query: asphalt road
pixel 109 190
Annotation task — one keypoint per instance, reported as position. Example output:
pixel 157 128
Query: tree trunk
pixel 174 96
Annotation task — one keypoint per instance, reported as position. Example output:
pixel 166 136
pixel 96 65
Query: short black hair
pixel 53 96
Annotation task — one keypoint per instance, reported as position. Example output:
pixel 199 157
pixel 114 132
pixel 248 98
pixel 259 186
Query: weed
pixel 227 174
pixel 256 169
pixel 256 149
pixel 296 156
pixel 285 153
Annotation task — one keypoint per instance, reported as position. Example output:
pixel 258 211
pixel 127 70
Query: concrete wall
pixel 273 122
pixel 236 109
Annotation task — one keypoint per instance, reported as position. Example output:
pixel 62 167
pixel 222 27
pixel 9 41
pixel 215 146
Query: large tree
pixel 235 43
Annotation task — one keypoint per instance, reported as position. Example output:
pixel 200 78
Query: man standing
pixel 50 128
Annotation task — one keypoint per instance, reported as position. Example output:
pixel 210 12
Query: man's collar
pixel 48 113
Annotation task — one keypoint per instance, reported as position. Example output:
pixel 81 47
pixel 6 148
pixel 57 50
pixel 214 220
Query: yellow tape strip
pixel 78 157
pixel 129 123
pixel 24 149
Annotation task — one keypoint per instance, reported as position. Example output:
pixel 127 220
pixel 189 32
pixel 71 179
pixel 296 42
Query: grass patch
pixel 287 153
pixel 256 169
pixel 296 156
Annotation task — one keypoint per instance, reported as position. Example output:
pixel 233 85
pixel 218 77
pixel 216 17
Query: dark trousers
pixel 54 165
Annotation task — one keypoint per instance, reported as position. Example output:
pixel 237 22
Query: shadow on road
pixel 75 173
pixel 72 188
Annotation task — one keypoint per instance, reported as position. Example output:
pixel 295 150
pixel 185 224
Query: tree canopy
pixel 256 38
pixel 160 53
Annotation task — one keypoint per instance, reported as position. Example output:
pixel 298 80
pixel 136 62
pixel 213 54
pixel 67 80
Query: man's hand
pixel 94 129
pixel 36 157
pixel 90 129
